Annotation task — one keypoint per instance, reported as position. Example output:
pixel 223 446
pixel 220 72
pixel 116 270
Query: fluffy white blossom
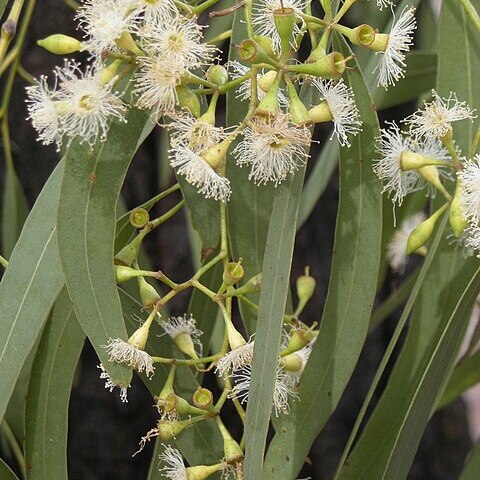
pixel 470 192
pixel 341 103
pixel 263 19
pixel 154 12
pixel 110 386
pixel 123 352
pixel 177 42
pixel 103 22
pixel 235 359
pixel 397 247
pixel 174 468
pixel 88 103
pixel 155 84
pixel 284 388
pixel 391 66
pixel 180 325
pixel 273 148
pixel 436 117
pixel 468 242
pixel 43 113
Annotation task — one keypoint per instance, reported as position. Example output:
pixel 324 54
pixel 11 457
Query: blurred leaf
pixel 86 228
pixel 346 317
pixel 5 472
pixel 49 393
pixel 15 211
pixel 29 286
pixel 466 375
pixel 471 470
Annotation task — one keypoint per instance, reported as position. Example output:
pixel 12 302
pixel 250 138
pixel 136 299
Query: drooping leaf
pixel 29 287
pixel 49 392
pixel 350 297
pixel 5 472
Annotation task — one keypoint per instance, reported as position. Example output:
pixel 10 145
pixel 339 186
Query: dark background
pixel 103 432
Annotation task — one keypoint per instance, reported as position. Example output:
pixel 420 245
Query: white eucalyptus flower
pixel 180 325
pixel 300 359
pixel 436 117
pixel 235 359
pixel 87 104
pixel 43 113
pixel 391 66
pixel 155 84
pixel 177 42
pixel 397 247
pixel 103 22
pixel 341 103
pixel 263 19
pixel 174 468
pixel 470 192
pixel 109 385
pixel 199 173
pixel 284 388
pixel 472 240
pixel 123 352
pixel 273 147
pixel 153 12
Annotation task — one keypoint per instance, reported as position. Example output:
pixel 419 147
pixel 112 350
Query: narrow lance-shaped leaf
pixel 5 472
pixel 350 297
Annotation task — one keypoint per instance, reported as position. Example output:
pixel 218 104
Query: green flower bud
pixel 422 233
pixel 139 217
pixel 297 110
pixel 187 99
pixel 232 450
pixel 215 156
pixel 251 51
pixel 265 81
pixel 185 344
pixel 123 274
pixel 126 42
pixel 269 103
pixel 430 174
pixel 202 472
pixel 305 289
pixel 167 388
pixel 299 338
pixel 413 161
pixel 233 273
pixel 329 66
pixel 457 210
pixel 128 254
pixel 292 362
pixel 174 403
pixel 140 336
pixel 284 19
pixel 320 113
pixel 148 294
pixel 108 73
pixel 266 43
pixel 60 44
pixel 380 42
pixel 217 74
pixel 168 429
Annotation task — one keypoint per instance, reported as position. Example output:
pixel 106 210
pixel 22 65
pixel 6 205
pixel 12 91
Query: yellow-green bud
pixel 431 175
pixel 174 403
pixel 108 73
pixel 128 254
pixel 215 156
pixel 329 66
pixel 457 210
pixel 265 81
pixel 168 429
pixel 320 113
pixel 305 286
pixel 380 42
pixel 148 294
pixel 284 19
pixel 60 44
pixel 185 344
pixel 292 362
pixel 251 51
pixel 217 74
pixel 187 99
pixel 123 274
pixel 203 398
pixel 126 42
pixel 299 338
pixel 202 472
pixel 413 161
pixel 233 273
pixel 269 104
pixel 422 233
pixel 231 449
pixel 266 43
pixel 297 110
pixel 167 388
pixel 235 338
pixel 363 35
pixel 139 217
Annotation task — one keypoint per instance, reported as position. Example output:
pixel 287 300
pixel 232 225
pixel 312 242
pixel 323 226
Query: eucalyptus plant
pixel 78 268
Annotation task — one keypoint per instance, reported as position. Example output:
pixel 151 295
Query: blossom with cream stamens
pixel 397 247
pixel 264 23
pixel 341 107
pixel 184 332
pixel 472 239
pixel 294 363
pixel 123 352
pixel 43 113
pixel 470 193
pixel 111 386
pixel 155 84
pixel 436 117
pixel 284 388
pixel 103 22
pixel 178 42
pixel 393 47
pixel 153 12
pixel 273 147
pixel 235 359
pixel 88 104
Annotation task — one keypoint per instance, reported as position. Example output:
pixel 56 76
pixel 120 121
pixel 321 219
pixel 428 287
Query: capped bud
pixel 176 404
pixel 320 113
pixel 167 388
pixel 431 175
pixel 235 338
pixel 329 66
pixel 251 51
pixel 60 44
pixel 185 344
pixel 292 362
pixel 148 294
pixel 168 429
pixel 380 42
pixel 108 73
pixel 122 273
pixel 413 161
pixel 215 156
pixel 202 472
pixel 266 43
pixel 269 103
pixel 140 336
pixel 128 254
pixel 217 74
pixel 305 289
pixel 233 273
pixel 187 99
pixel 139 217
pixel 457 211
pixel 299 338
pixel 422 233
pixel 284 19
pixel 231 449
pixel 203 398
pixel 126 42
pixel 265 81
pixel 297 110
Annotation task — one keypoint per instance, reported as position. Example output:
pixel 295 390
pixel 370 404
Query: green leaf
pixel 471 470
pixel 5 472
pixel 466 375
pixel 86 230
pixel 15 211
pixel 29 287
pixel 346 317
pixel 49 393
